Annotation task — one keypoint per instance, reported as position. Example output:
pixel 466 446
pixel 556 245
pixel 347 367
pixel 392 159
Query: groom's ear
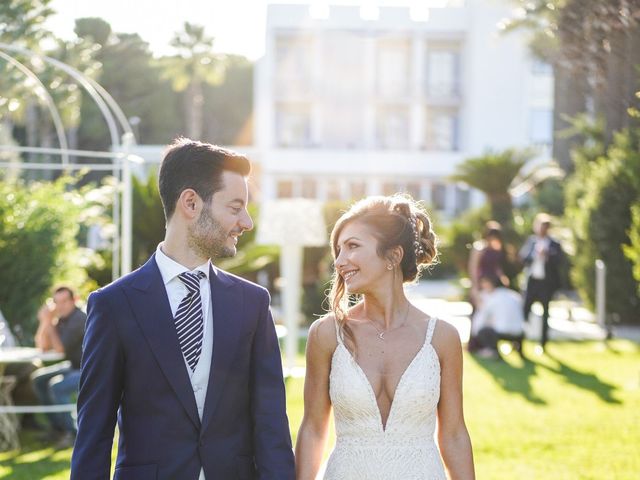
pixel 189 204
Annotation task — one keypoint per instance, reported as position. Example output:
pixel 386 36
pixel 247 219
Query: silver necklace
pixel 382 333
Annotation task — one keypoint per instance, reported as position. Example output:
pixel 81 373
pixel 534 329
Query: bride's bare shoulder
pixel 322 333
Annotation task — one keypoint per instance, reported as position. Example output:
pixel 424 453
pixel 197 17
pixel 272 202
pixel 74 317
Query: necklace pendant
pixel 381 335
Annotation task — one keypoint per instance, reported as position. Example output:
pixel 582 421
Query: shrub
pixel 39 229
pixel 600 196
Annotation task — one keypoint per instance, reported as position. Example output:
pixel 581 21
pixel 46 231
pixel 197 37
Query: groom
pixel 184 355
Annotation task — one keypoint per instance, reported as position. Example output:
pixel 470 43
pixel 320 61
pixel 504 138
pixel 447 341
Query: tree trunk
pixel 633 69
pixel 501 208
pixel 614 91
pixel 194 102
pixel 570 99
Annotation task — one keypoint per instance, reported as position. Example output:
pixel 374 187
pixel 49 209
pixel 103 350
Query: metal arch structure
pixel 53 110
pixel 113 115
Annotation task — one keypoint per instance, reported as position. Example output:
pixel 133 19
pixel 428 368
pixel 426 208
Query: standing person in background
pixel 183 355
pixel 542 257
pixel 61 328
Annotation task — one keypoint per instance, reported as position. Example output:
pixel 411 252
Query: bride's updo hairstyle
pixel 395 220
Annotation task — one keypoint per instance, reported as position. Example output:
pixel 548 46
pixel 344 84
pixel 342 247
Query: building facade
pixel 352 102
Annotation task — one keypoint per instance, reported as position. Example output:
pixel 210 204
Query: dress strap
pixel 338 332
pixel 430 328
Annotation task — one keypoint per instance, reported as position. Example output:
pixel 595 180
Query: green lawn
pixel 571 414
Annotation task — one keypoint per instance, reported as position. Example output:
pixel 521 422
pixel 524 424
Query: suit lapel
pixel 227 324
pixel 153 313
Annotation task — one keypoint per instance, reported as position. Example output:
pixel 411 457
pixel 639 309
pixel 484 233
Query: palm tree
pixel 193 66
pixel 493 174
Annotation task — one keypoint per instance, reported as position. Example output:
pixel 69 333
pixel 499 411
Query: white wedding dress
pixel 405 449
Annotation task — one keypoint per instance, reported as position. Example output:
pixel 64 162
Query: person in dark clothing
pixel 61 329
pixel 542 257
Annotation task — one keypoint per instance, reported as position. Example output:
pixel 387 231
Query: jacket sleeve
pixel 526 252
pixel 271 437
pixel 101 385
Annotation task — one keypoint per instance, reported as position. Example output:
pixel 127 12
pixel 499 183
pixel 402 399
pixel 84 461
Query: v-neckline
pixel 384 426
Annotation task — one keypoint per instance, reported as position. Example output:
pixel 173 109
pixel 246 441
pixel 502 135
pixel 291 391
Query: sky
pixel 237 25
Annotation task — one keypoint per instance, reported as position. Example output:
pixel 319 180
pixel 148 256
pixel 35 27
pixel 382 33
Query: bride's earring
pixel 390 266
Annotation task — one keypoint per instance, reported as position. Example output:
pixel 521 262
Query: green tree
pixel 132 76
pixel 228 116
pixel 632 251
pixel 39 229
pixel 194 66
pixel 148 219
pixel 600 196
pixel 594 47
pixel 21 21
pixel 493 174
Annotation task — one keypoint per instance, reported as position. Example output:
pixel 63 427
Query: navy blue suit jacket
pixel 133 371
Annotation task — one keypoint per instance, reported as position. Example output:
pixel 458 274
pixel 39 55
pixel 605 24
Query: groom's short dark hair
pixel 196 165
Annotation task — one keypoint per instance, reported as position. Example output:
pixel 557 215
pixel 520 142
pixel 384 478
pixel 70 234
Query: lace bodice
pixel 405 448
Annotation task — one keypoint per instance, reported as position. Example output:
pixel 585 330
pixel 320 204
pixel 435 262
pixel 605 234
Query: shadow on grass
pixel 512 378
pixel 612 346
pixel 586 381
pixel 34 460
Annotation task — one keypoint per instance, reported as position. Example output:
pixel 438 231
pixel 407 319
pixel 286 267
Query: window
pixel 392 127
pixel 308 188
pixel 389 188
pixel 343 96
pixel 463 199
pixel 439 196
pixel 293 125
pixel 414 189
pixel 285 188
pixel 293 64
pixel 333 190
pixel 392 67
pixel 443 72
pixel 540 67
pixel 541 126
pixel 442 129
pixel 358 189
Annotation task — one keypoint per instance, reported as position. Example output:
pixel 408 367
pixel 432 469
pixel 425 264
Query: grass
pixel 573 413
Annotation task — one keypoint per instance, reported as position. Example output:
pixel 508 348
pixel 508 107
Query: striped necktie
pixel 188 319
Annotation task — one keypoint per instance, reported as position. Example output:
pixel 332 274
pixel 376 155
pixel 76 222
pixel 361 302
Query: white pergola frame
pixel 119 155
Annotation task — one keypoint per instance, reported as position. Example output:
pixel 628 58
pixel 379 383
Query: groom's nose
pixel 246 223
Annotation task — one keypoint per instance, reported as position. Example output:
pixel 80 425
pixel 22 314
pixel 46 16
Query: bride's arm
pixel 312 435
pixel 453 437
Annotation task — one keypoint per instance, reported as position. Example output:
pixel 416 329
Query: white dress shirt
pixel 500 310
pixel 540 251
pixel 176 291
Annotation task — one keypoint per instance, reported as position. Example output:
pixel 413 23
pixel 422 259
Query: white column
pixel 127 206
pixel 291 275
pixel 416 132
pixel 370 93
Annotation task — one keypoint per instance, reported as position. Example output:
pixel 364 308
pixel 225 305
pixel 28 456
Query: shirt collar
pixel 170 269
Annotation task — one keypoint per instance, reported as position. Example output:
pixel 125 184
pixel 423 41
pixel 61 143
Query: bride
pixel 390 372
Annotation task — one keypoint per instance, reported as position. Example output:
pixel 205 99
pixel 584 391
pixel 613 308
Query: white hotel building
pixel 352 102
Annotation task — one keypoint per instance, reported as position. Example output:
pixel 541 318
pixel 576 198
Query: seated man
pixel 61 329
pixel 499 317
